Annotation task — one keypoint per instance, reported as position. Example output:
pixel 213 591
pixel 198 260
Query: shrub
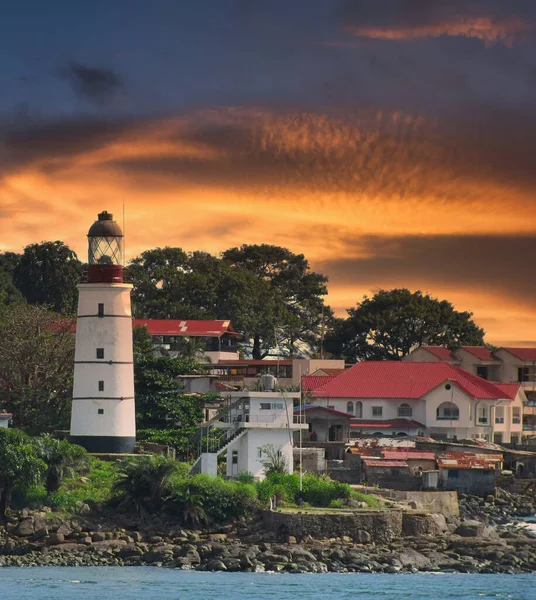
pixel 62 458
pixel 145 483
pixel 320 491
pixel 285 486
pixel 221 500
pixel 246 477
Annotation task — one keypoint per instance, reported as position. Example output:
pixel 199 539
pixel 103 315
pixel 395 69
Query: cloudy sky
pixel 392 142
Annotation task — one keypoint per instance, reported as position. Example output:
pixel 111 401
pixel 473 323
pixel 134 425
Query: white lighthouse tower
pixel 103 415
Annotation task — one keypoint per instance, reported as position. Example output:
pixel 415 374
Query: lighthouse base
pixel 105 444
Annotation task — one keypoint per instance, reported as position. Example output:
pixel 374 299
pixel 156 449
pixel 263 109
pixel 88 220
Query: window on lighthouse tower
pixel 101 309
pixel 101 386
pixel 100 352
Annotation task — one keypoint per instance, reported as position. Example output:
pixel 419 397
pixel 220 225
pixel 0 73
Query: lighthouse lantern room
pixel 103 411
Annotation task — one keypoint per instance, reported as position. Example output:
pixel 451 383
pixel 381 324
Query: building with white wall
pixel 432 398
pixel 252 422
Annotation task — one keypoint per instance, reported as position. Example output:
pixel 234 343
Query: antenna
pixel 124 236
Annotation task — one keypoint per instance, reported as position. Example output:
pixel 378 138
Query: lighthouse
pixel 103 417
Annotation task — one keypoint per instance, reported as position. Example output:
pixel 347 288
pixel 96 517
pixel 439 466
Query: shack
pixel 469 473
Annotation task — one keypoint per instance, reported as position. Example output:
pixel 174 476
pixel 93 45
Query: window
pixel 377 411
pixel 482 372
pixel 277 406
pixel 101 386
pixel 448 411
pixel 101 309
pixel 235 457
pixel 482 415
pixel 100 352
pixel 350 408
pixel 259 452
pixel 499 414
pixel 523 374
pixel 100 411
pixel 516 415
pixel 266 406
pixel 405 410
pixel 359 410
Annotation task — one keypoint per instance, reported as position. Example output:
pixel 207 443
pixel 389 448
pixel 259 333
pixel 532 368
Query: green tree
pixel 393 322
pixel 36 368
pixel 144 483
pixel 20 466
pixel 47 273
pixel 62 459
pixel 9 293
pixel 298 316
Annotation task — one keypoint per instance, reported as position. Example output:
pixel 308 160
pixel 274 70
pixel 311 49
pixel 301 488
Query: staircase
pixel 216 447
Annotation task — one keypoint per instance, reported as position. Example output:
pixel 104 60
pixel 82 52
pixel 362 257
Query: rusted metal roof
pixel 371 462
pixel 407 454
pixel 468 460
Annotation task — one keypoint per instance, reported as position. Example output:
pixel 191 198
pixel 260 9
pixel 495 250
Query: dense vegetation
pixel 155 485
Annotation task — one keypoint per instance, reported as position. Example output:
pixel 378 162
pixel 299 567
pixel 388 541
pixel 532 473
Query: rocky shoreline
pixel 39 538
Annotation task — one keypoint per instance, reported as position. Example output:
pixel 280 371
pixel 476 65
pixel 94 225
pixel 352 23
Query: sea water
pixel 150 583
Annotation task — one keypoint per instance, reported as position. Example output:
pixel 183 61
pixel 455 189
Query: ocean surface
pixel 150 583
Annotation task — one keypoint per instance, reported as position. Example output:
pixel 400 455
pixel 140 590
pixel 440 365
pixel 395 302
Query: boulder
pixel 412 558
pixel 98 536
pixel 55 538
pixel 25 527
pixel 362 537
pixel 471 529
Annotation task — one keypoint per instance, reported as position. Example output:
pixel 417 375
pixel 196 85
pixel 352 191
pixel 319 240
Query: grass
pixel 95 487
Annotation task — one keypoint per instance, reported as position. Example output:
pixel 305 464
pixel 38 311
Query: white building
pixel 425 398
pixel 252 423
pixel 103 412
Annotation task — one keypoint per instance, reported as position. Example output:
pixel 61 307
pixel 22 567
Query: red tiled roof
pixel 509 390
pixel 190 327
pixel 440 351
pixel 468 460
pixel 480 352
pixel 308 407
pixel 330 372
pixel 524 354
pixel 252 363
pixel 311 382
pixel 407 454
pixel 387 424
pixel 408 380
pixel 371 462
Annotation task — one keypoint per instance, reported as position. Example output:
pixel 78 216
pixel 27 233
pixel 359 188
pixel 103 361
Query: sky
pixel 391 142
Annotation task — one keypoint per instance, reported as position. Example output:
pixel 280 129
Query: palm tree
pixel 62 458
pixel 190 502
pixel 145 483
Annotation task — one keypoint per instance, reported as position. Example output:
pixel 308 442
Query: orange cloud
pixel 316 183
pixel 506 31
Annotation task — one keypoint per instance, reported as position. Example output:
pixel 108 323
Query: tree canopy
pixel 269 293
pixel 391 323
pixel 47 274
pixel 36 368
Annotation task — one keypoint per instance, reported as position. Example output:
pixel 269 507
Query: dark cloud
pixel 493 265
pixel 93 83
pixel 24 142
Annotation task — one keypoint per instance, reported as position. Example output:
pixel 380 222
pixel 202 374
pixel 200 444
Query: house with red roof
pixel 218 337
pixel 437 399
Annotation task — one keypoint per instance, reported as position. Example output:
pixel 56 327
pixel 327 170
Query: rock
pixel 216 565
pixel 362 537
pixel 25 528
pixel 412 558
pixel 291 539
pixel 471 529
pixel 55 538
pixel 64 530
pixel 98 536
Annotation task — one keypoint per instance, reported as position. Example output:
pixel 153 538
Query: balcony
pixel 483 420
pixel 499 420
pixel 516 420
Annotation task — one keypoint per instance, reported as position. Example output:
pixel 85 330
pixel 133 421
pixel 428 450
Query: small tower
pixel 103 415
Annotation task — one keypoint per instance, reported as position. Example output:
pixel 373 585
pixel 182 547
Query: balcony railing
pixel 448 417
pixel 516 420
pixel 482 419
pixel 499 419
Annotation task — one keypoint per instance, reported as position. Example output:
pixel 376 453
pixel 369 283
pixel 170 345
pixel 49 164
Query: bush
pixel 320 491
pixel 221 500
pixel 285 486
pixel 246 477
